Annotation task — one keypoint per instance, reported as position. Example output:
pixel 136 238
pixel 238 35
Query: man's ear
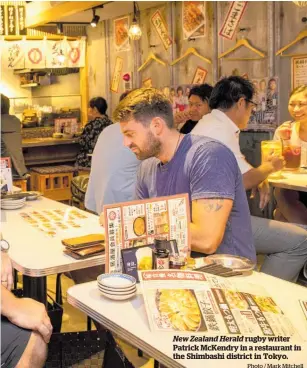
pixel 157 125
pixel 241 102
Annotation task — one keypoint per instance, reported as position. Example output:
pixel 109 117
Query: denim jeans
pixel 285 247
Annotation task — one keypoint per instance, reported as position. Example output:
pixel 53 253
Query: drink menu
pixel 137 223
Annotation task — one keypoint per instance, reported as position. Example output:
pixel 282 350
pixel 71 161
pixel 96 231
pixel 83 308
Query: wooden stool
pixel 53 181
pixel 21 183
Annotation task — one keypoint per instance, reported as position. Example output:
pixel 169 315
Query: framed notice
pixel 161 28
pixel 199 76
pixel 299 71
pixel 137 223
pixel 193 19
pixel 117 74
pixel 121 38
pixel 232 20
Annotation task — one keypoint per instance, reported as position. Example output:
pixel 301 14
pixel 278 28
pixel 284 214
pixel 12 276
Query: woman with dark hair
pixel 292 205
pixel 98 121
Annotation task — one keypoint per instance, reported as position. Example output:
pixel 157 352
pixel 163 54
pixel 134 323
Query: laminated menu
pixel 190 301
pixel 6 178
pixel 131 224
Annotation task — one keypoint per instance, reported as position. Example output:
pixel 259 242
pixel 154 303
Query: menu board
pixel 6 178
pixel 190 301
pixel 52 222
pixel 137 223
pixel 299 71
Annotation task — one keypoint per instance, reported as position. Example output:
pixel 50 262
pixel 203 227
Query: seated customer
pixel 285 245
pixel 98 121
pixel 291 204
pixel 202 167
pixel 198 107
pixel 11 143
pixel 113 171
pixel 25 326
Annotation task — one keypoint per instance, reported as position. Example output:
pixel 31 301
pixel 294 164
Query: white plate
pixel 110 289
pixel 114 292
pixel 16 207
pixel 13 201
pixel 118 297
pixel 116 280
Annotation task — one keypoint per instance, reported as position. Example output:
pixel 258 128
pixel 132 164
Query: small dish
pixel 118 297
pixel 116 280
pixel 117 290
pixel 113 292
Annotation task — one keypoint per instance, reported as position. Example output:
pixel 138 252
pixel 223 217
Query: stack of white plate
pixel 12 204
pixel 117 286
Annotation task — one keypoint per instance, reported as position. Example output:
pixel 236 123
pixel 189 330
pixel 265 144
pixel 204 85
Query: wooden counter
pixel 39 151
pixel 39 142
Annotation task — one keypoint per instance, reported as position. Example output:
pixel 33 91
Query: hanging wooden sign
pixel 199 76
pixel 161 28
pixel 232 20
pixel 116 74
pixel 299 71
pixel 21 9
pixel 12 21
pixel 2 20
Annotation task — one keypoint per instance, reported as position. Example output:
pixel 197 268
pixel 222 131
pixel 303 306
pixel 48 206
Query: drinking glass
pixel 292 155
pixel 267 149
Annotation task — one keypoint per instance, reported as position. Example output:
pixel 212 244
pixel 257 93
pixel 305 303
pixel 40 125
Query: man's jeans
pixel 285 247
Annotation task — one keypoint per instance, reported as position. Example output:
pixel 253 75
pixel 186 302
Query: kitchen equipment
pixel 29 119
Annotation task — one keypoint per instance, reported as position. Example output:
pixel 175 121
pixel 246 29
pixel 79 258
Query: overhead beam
pixel 59 10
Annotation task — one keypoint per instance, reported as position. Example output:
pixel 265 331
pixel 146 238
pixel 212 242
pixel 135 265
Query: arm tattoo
pixel 213 205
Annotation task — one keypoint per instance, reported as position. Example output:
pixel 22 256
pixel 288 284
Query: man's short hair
pixel 143 105
pixel 203 91
pixel 228 91
pixel 5 105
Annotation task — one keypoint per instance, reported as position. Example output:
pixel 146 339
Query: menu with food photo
pixel 6 174
pixel 121 38
pixel 190 301
pixel 193 19
pixel 137 223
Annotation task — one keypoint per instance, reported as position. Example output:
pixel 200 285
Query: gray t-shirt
pixel 113 171
pixel 203 168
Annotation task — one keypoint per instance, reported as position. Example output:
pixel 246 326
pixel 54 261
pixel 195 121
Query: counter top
pixel 37 142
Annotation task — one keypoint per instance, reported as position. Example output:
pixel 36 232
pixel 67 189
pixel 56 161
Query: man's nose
pixel 126 141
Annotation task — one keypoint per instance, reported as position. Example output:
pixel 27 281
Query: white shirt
pixel 217 125
pixel 295 141
pixel 113 171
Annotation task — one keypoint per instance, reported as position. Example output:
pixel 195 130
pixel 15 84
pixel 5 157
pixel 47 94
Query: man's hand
pixel 264 194
pixel 181 117
pixel 29 314
pixel 277 162
pixel 6 271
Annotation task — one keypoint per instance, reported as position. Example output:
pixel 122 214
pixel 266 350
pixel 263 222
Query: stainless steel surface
pixel 236 263
pixel 39 142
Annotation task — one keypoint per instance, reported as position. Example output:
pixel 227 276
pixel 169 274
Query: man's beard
pixel 152 148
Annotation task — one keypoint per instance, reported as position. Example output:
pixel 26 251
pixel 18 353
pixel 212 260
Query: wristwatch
pixel 4 246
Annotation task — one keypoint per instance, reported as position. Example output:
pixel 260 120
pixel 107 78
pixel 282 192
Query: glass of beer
pixel 267 149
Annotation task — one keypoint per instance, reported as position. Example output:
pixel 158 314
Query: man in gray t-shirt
pixel 201 167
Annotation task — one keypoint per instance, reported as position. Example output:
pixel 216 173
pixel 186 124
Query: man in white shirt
pixel 231 103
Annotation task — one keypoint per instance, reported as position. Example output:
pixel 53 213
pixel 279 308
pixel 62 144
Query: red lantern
pixel 126 77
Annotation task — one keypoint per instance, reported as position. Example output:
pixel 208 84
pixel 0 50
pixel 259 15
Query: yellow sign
pixel 116 74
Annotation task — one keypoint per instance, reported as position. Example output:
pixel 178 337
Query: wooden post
pixel 84 89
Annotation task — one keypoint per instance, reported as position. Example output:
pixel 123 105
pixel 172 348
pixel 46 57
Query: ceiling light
pixel 135 31
pixel 95 19
pixel 59 28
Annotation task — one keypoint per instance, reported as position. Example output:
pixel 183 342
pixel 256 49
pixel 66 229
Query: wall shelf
pixel 29 85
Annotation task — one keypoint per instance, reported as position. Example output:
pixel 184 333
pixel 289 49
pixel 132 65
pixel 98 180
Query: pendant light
pixel 135 31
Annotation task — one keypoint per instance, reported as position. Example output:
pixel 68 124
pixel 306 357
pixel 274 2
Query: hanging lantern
pixel 135 32
pixel 301 4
